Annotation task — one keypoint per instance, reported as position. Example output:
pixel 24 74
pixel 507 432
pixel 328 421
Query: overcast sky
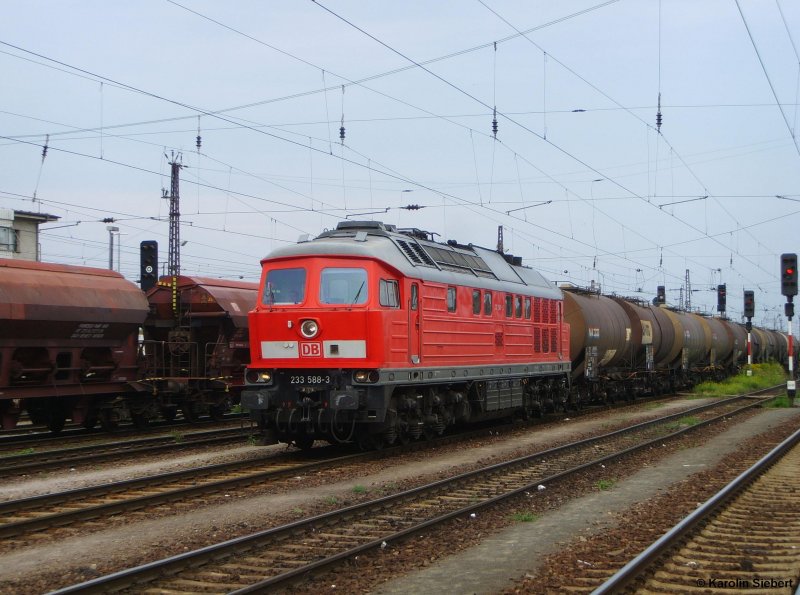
pixel 578 175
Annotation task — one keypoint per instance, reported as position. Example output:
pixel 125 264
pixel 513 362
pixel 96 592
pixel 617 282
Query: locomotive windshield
pixel 284 286
pixel 343 286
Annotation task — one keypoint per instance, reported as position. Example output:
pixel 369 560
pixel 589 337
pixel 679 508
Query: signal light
pixel 722 294
pixel 789 274
pixel 749 304
pixel 661 297
pixel 148 264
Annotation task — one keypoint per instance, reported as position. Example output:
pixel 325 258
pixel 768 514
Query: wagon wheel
pixel 90 421
pixel 56 421
pixel 217 412
pixel 169 413
pixel 190 412
pixel 108 421
pixel 140 420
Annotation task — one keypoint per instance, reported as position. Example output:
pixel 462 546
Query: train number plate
pixel 310 379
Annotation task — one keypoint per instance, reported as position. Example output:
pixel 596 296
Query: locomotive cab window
pixel 476 301
pixel 451 299
pixel 414 296
pixel 509 305
pixel 389 293
pixel 487 303
pixel 518 306
pixel 343 286
pixel 284 286
pixel 528 308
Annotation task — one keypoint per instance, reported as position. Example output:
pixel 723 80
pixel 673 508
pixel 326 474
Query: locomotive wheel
pixel 304 441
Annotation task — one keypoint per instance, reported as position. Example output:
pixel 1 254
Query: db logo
pixel 310 349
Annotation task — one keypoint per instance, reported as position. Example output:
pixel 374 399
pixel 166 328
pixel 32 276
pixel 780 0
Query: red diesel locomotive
pixel 373 335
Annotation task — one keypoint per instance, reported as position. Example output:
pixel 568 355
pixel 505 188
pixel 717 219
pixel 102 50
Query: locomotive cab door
pixel 414 332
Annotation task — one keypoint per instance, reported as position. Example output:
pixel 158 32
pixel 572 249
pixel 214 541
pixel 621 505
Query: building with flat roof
pixel 19 233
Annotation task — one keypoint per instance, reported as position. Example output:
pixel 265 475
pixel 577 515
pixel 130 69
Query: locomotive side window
pixel 509 305
pixel 389 293
pixel 518 306
pixel 451 299
pixel 528 308
pixel 487 303
pixel 414 296
pixel 476 301
pixel 284 286
pixel 345 286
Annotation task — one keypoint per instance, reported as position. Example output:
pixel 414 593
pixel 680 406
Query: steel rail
pixel 137 577
pixel 636 567
pixel 93 453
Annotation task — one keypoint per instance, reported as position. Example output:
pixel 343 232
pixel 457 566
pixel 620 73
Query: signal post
pixel 749 312
pixel 789 289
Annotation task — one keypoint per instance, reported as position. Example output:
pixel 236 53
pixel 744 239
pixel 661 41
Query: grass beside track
pixel 764 376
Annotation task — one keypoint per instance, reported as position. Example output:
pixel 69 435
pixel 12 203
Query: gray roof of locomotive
pixel 414 256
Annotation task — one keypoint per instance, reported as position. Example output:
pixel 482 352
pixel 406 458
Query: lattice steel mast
pixel 174 259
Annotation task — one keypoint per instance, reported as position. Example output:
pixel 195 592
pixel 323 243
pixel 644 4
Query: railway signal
pixel 789 275
pixel 721 298
pixel 661 297
pixel 789 289
pixel 148 264
pixel 749 305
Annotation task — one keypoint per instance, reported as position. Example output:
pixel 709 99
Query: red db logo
pixel 310 349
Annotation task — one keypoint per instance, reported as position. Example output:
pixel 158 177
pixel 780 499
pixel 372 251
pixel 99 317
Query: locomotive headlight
pixel 258 376
pixel 366 376
pixel 309 329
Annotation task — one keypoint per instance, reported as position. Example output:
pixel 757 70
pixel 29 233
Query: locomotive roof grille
pixel 415 252
pixel 445 258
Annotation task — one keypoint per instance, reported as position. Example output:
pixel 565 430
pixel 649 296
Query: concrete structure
pixel 19 233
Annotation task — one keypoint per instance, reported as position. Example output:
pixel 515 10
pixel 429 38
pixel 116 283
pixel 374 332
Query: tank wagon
pixel 195 347
pixel 622 348
pixel 372 334
pixel 68 342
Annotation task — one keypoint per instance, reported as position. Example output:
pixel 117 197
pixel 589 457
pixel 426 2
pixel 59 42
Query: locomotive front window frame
pixel 343 286
pixel 284 287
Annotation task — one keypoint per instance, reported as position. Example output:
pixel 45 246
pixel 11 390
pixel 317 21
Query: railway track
pixel 31 461
pixel 36 436
pixel 746 537
pixel 271 559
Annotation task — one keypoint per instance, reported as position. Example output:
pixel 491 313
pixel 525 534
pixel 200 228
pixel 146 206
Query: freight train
pixel 375 335
pixel 85 344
